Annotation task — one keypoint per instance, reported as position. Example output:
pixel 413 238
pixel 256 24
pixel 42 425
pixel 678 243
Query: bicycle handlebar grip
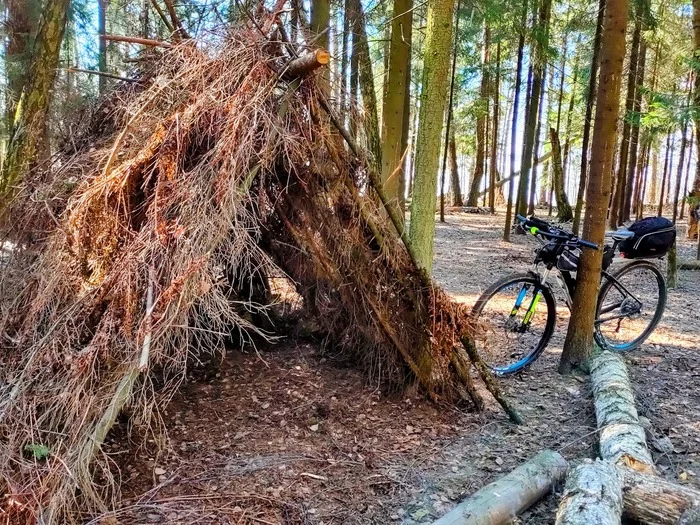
pixel 587 244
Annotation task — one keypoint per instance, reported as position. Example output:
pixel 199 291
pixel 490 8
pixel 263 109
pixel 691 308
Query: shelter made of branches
pixel 152 239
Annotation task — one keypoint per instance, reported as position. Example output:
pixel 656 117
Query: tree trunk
pixel 508 496
pixel 344 62
pixel 366 77
pixel 482 116
pixel 32 118
pixel 665 174
pixel 564 213
pixel 528 96
pixel 654 186
pixel 102 44
pixel 514 123
pixel 618 201
pixel 569 115
pixel 438 40
pixel 687 173
pixel 579 336
pixel 633 176
pixel 671 267
pixel 320 21
pixel 395 94
pixel 590 101
pixel 21 18
pixel 354 68
pixel 696 92
pixel 536 148
pixel 454 173
pixel 531 120
pixel 593 492
pixel 494 141
pixel 448 125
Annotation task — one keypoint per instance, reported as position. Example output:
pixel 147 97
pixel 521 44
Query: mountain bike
pixel 516 316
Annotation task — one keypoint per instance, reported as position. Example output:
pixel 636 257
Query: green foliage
pixel 37 451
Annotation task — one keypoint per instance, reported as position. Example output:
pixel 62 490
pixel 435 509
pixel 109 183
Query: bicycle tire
pixel 550 301
pixel 658 314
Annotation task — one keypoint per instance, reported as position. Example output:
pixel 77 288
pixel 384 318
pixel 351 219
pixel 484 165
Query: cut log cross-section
pixel 500 501
pixel 307 63
pixel 622 438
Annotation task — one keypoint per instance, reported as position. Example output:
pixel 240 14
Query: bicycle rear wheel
pixel 514 324
pixel 630 306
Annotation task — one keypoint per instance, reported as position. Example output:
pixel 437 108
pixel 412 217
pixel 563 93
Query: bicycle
pixel 631 300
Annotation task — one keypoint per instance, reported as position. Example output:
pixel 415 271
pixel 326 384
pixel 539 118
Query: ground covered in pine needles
pixel 291 435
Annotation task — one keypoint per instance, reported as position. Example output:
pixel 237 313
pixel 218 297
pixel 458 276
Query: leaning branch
pixel 101 74
pixel 136 40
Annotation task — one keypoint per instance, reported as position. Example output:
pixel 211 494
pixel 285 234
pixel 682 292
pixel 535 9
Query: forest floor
pixel 292 436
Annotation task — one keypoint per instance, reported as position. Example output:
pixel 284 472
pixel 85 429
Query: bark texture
pixel 564 213
pixel 514 123
pixel 437 51
pixel 482 117
pixel 455 188
pixel 32 115
pixel 20 23
pixel 505 498
pixel 532 113
pixel 395 92
pixel 616 214
pixel 593 495
pixel 622 439
pixel 579 337
pixel 366 80
pixel 590 101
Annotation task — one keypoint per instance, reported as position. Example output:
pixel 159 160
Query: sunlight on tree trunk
pixel 481 118
pixel 366 79
pixel 579 337
pixel 32 113
pixel 436 69
pixel 395 93
pixel 592 93
pixel 514 123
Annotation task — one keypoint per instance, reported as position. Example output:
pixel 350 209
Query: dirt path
pixel 292 436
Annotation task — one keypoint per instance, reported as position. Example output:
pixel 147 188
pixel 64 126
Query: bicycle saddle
pixel 620 235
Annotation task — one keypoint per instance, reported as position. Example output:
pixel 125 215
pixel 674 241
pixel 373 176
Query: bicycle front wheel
pixel 515 321
pixel 630 305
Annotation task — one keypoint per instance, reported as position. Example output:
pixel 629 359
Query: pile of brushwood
pixel 151 238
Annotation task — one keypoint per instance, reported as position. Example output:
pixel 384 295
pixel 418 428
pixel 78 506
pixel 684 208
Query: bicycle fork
pixel 533 304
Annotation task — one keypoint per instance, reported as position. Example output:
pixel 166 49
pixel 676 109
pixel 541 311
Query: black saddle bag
pixel 653 237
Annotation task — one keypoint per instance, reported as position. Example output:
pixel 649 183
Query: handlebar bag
pixel 653 237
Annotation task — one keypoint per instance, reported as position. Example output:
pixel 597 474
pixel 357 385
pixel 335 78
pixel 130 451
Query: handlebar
pixel 535 227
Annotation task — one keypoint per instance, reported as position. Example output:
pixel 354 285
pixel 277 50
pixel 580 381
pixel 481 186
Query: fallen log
pixel 689 264
pixel 654 500
pixel 593 495
pixel 499 502
pixel 622 440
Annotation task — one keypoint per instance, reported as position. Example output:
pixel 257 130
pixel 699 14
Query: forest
pixel 283 261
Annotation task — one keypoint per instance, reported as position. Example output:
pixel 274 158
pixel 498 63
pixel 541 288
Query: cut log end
pixel 307 63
